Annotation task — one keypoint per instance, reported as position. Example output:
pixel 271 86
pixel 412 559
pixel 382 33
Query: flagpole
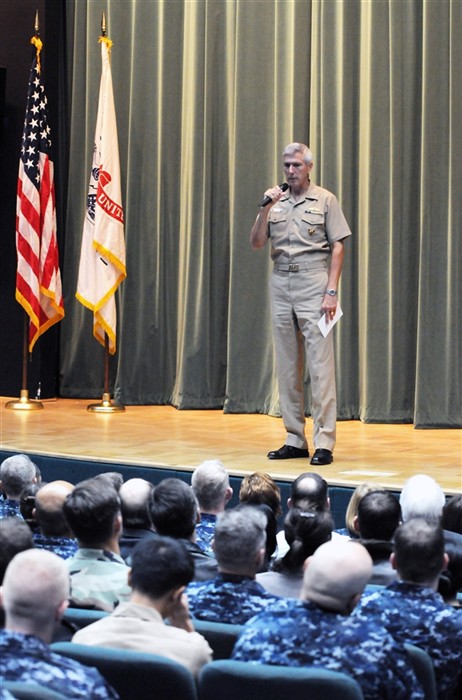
pixel 25 403
pixel 106 405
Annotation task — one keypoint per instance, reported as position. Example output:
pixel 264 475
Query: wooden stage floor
pixel 151 436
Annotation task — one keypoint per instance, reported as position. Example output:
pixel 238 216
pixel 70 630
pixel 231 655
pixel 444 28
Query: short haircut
pixel 305 531
pixel 90 511
pixel 115 478
pixel 450 581
pixel 260 487
pixel 15 473
pixel 36 582
pixel 451 518
pixel 301 148
pixel 160 565
pixel 239 535
pixel 422 497
pixel 134 498
pixel 49 508
pixel 15 536
pixel 379 515
pixel 419 550
pixel 209 482
pixel 27 502
pixel 310 490
pixel 174 508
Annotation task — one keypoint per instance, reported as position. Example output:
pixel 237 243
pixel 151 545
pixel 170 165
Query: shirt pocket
pixel 277 219
pixel 313 225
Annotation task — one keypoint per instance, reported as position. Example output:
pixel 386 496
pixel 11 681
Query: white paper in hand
pixel 326 325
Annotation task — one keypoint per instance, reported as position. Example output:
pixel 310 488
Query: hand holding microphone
pixel 273 194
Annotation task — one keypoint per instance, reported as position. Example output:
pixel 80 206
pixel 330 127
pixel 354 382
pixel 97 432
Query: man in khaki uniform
pixel 307 228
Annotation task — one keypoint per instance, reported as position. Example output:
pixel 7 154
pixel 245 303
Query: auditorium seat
pixel 135 675
pixel 423 669
pixel 30 691
pixel 238 680
pixel 220 636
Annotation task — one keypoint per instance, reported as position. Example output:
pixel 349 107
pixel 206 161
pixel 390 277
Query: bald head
pixel 49 508
pixel 35 592
pixel 336 574
pixel 134 498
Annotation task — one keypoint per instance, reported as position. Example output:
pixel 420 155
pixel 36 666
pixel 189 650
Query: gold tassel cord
pixel 108 43
pixel 38 43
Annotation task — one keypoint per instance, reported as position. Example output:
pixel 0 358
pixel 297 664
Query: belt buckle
pixel 293 267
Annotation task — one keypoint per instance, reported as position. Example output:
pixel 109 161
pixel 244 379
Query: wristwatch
pixel 332 292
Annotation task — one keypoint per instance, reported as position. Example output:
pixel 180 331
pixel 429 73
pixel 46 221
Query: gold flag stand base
pixel 106 406
pixel 24 403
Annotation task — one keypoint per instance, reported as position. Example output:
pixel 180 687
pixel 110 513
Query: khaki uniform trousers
pixel 296 299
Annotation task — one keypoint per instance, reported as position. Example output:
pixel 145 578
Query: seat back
pixel 423 669
pixel 81 617
pixel 220 636
pixel 135 675
pixel 228 680
pixel 22 690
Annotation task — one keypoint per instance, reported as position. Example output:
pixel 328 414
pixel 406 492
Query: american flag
pixel 38 279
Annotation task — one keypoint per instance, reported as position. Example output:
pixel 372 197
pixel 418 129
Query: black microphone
pixel 266 200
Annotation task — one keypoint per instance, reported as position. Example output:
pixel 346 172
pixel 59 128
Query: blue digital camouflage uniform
pixel 418 615
pixel 302 634
pixel 228 598
pixel 24 657
pixel 64 547
pixel 9 508
pixel 99 577
pixel 205 532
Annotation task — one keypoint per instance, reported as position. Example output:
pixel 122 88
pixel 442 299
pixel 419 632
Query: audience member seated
pixel 451 518
pixel 175 513
pixel 16 473
pixel 309 491
pixel 27 505
pixel 210 483
pixel 15 536
pixel 422 497
pixel 134 497
pixel 260 489
pixel 317 630
pixel 55 534
pixel 99 575
pixel 35 593
pixel 378 517
pixel 234 596
pixel 411 609
pixel 161 569
pixel 305 531
pixel 352 508
pixel 450 581
pixel 114 478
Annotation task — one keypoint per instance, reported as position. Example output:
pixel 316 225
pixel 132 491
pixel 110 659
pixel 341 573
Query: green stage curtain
pixel 208 92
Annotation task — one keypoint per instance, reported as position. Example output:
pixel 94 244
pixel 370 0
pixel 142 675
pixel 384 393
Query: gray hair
pixel 422 497
pixel 209 482
pixel 301 148
pixel 36 582
pixel 239 535
pixel 16 472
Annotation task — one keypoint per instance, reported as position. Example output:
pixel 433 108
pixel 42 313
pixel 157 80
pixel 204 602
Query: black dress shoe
pixel 288 452
pixel 321 457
